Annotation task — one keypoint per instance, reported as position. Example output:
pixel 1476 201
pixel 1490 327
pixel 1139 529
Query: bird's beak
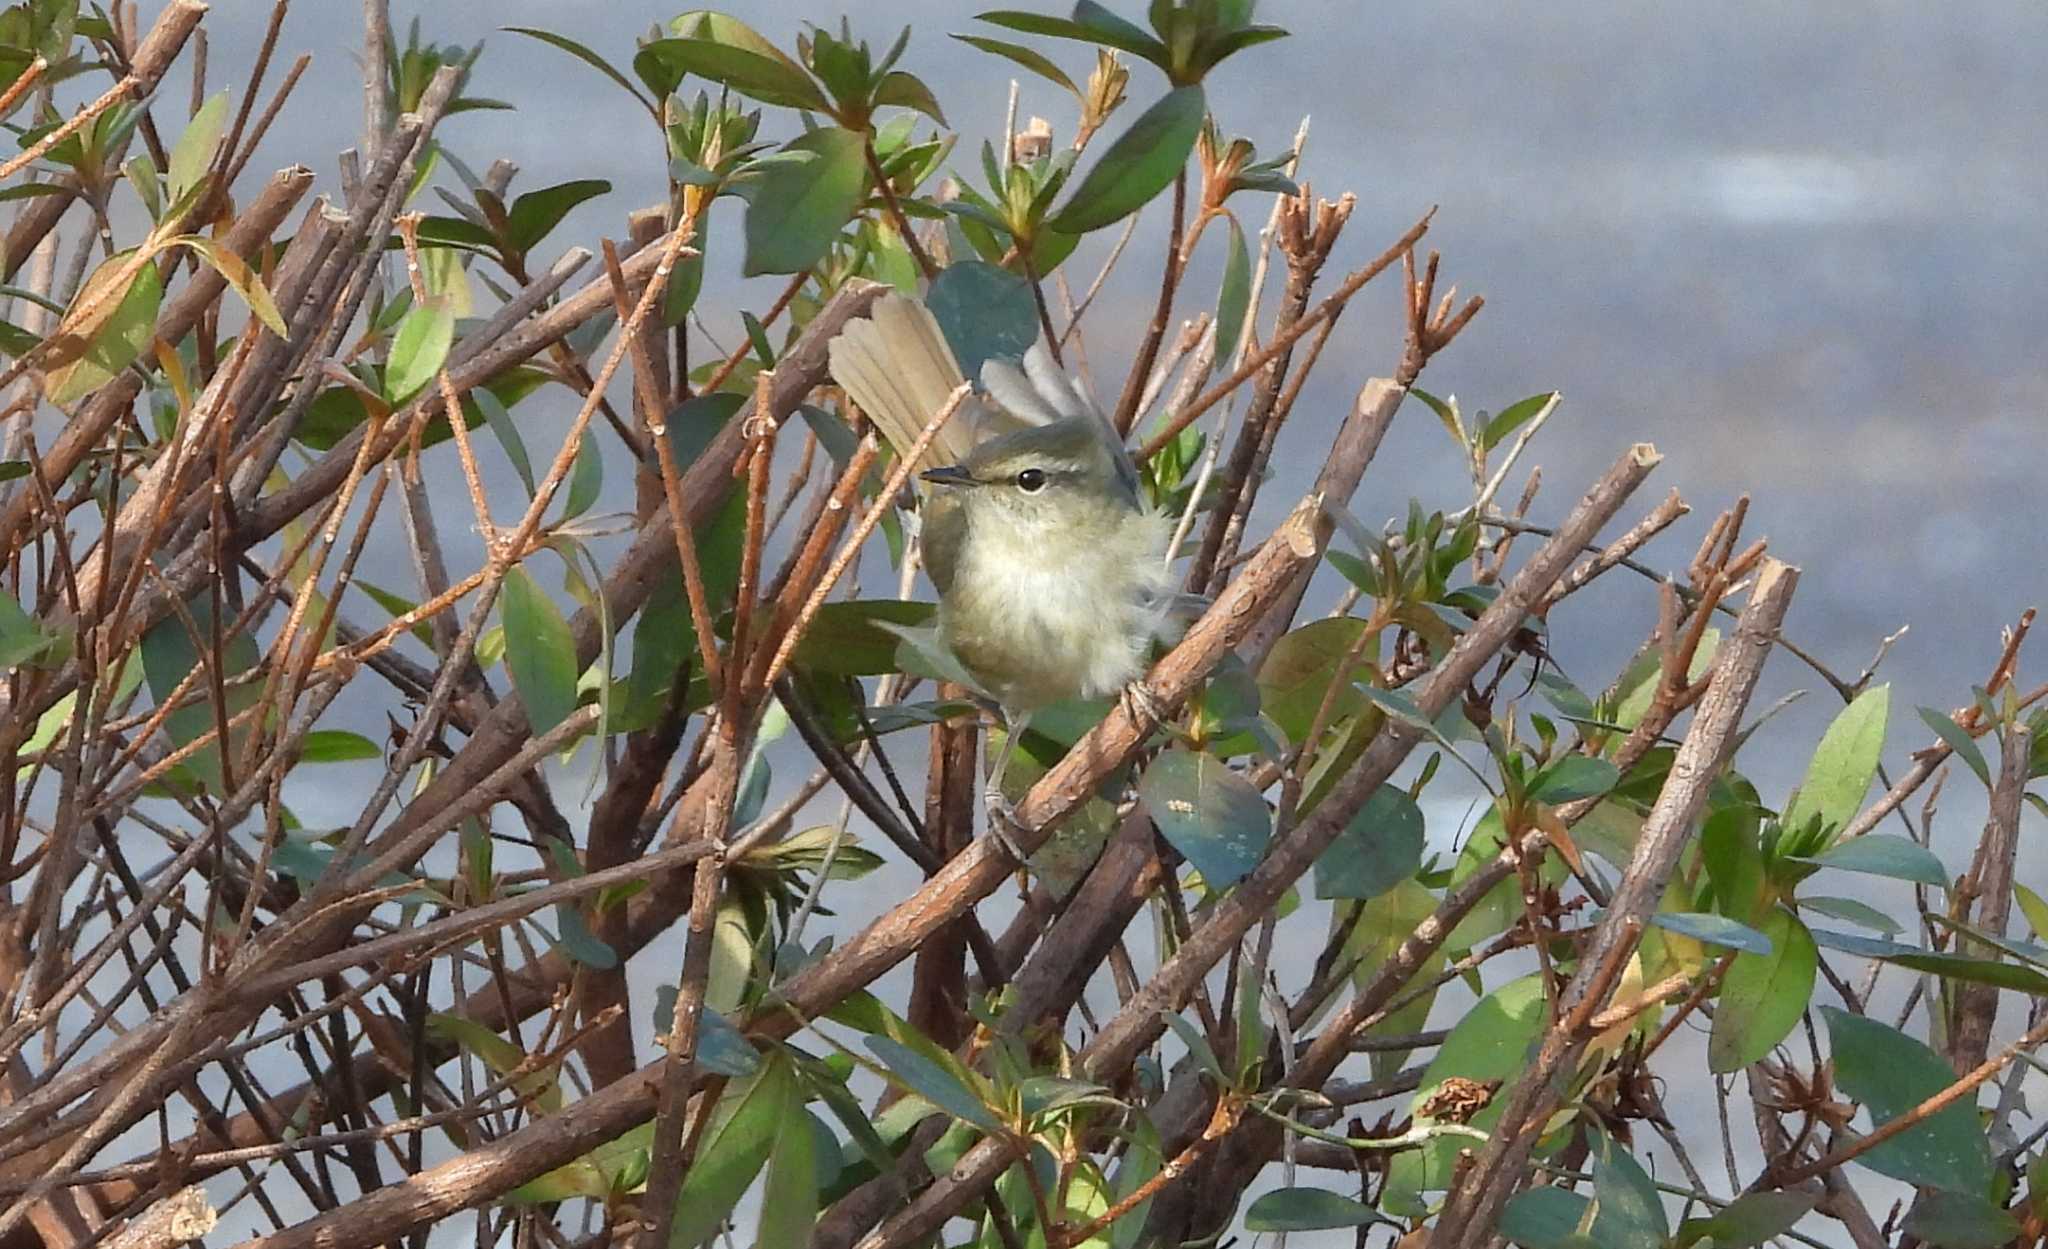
pixel 949 475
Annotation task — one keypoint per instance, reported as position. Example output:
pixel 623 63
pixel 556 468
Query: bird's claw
pixel 1002 819
pixel 1141 704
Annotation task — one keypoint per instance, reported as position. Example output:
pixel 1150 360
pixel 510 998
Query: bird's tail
pixel 896 365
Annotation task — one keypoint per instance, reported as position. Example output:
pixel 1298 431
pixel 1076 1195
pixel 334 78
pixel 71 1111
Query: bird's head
pixel 1055 479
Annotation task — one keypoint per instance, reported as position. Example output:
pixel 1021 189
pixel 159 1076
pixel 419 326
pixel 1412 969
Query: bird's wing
pixel 896 365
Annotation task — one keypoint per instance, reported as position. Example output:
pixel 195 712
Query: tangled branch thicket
pixel 340 1036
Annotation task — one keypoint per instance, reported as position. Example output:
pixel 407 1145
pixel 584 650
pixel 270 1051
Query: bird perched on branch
pixel 1052 572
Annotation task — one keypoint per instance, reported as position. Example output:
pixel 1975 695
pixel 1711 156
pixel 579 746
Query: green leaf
pixel 721 1047
pixel 923 653
pixel 499 418
pixel 1637 688
pixel 789 1196
pixel 195 148
pixel 1034 61
pixel 36 190
pixel 1749 1220
pixel 1307 1210
pixel 1379 848
pixel 926 1078
pixel 539 651
pixel 1543 1217
pixel 664 637
pixel 1716 929
pixel 1140 164
pixel 586 478
pixel 577 943
pixel 1843 764
pixel 984 312
pixel 169 653
pixel 1044 1095
pixel 237 273
pixel 798 208
pixel 754 67
pixel 1630 1212
pixel 583 54
pixel 1572 777
pixel 1233 42
pixel 597 1174
pixel 1209 813
pixel 115 343
pixel 457 233
pixel 1884 854
pixel 1376 930
pixel 395 606
pixel 1357 571
pixel 686 281
pixel 1197 1044
pixel 418 350
pixel 337 746
pixel 1958 740
pixel 743 1133
pixel 21 638
pixel 1490 1042
pixel 1976 970
pixel 757 337
pixel 2034 907
pixel 1512 418
pixel 1763 995
pixel 17 342
pixel 844 638
pixel 1302 668
pixel 1111 33
pixel 908 91
pixel 1398 706
pixel 1960 1221
pixel 1850 910
pixel 1233 299
pixel 1141 1162
pixel 536 213
pixel 1734 860
pixel 838 441
pixel 1891 1073
pixel 501 1056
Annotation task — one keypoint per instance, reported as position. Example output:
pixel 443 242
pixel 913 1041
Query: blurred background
pixel 1798 247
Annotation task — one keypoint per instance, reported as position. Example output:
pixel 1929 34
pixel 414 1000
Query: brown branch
pixel 1140 1020
pixel 21 84
pixel 896 214
pixel 1989 882
pixel 1126 413
pixel 503 735
pixel 183 1216
pixel 1284 340
pixel 151 61
pixel 850 549
pixel 489 1170
pixel 1471 1211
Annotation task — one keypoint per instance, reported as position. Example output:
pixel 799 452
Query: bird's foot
pixel 1141 704
pixel 1002 822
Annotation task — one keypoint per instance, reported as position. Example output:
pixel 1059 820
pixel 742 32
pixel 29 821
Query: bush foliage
pixel 1265 975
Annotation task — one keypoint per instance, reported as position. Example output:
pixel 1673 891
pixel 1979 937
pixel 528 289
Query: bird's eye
pixel 1031 480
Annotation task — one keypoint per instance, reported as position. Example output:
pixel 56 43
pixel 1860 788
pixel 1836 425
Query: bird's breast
pixel 1039 621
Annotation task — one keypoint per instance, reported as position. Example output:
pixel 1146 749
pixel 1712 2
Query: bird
pixel 1052 571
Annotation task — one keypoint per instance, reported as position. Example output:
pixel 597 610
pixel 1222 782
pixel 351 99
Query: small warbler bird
pixel 1052 573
